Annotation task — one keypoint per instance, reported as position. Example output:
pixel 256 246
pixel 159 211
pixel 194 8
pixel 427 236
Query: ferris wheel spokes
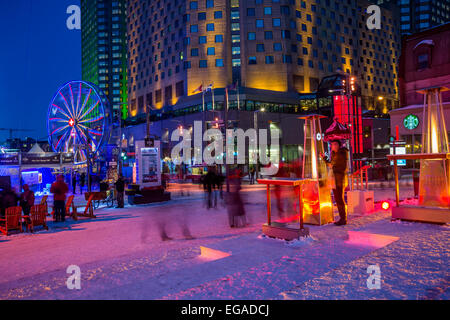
pixel 78 118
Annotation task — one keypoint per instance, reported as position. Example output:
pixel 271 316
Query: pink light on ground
pixel 369 239
pixel 208 254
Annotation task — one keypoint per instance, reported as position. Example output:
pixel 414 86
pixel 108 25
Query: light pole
pixel 255 124
pixel 119 158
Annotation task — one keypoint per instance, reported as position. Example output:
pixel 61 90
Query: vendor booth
pixel 148 186
pixel 36 168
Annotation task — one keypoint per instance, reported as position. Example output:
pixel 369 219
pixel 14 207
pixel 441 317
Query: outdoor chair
pixel 37 217
pixel 12 220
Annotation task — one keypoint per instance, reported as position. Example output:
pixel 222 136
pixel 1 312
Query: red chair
pixel 37 217
pixel 12 220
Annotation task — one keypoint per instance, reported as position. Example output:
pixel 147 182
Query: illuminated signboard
pixel 400 148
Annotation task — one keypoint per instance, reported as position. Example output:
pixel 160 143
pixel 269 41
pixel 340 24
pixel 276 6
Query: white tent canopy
pixel 36 149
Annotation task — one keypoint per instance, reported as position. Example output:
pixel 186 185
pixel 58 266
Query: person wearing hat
pixel 338 162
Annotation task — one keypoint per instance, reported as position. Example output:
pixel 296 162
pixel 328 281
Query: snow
pixel 121 256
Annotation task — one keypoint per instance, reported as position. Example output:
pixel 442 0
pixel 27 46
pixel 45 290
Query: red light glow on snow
pixel 369 239
pixel 385 205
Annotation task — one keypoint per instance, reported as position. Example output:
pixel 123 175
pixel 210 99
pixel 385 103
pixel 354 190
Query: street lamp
pixel 255 124
pixel 119 167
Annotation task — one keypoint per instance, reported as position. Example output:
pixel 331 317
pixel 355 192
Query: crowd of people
pixel 10 198
pixel 213 182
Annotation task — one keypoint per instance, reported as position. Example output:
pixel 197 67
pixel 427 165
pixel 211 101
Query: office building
pixel 104 49
pixel 418 15
pixel 274 50
pixel 266 46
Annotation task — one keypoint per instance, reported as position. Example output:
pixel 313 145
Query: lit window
pixel 193 5
pixel 211 51
pixel 219 63
pixel 270 60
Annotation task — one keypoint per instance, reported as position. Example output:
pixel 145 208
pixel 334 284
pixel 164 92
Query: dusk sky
pixel 38 54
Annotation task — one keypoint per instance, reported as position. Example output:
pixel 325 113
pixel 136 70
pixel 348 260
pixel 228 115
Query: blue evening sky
pixel 37 55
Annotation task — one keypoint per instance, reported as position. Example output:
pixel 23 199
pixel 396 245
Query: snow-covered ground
pixel 121 256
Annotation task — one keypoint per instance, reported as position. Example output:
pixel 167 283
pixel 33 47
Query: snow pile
pixel 302 241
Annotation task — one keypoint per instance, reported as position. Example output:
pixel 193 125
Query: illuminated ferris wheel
pixel 78 120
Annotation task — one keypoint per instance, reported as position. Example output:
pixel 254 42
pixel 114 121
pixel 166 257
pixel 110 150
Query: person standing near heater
pixel 338 162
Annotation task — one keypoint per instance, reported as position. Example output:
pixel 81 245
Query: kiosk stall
pixel 147 172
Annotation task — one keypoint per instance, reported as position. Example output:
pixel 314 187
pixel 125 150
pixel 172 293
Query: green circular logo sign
pixel 411 122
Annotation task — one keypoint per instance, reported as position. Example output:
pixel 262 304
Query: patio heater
pixel 312 190
pixel 434 184
pixel 317 205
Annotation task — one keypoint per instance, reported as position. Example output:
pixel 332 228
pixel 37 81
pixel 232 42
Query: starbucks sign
pixel 411 122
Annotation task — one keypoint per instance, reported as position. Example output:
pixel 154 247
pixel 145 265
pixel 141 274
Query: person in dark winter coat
pixel 9 199
pixel 120 188
pixel 339 165
pixel 26 199
pixel 59 189
pixel 235 205
pixel 82 181
pixel 209 184
pixel 74 183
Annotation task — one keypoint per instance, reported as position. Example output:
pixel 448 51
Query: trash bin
pixel 416 184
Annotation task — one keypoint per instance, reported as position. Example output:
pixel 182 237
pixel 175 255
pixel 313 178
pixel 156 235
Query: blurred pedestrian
pixel 82 181
pixel 252 173
pixel 74 182
pixel 209 180
pixel 163 220
pixel 26 199
pixel 59 189
pixel 9 199
pixel 235 203
pixel 120 188
pixel 220 180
